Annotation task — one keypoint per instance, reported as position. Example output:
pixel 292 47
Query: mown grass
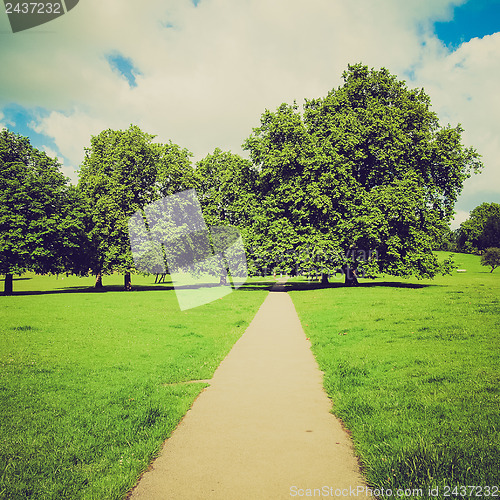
pixel 412 368
pixel 91 383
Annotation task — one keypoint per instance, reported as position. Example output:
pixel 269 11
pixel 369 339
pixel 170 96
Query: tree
pixel 225 184
pixel 490 235
pixel 481 230
pixel 491 257
pixel 41 224
pixel 446 240
pixel 364 180
pixel 122 172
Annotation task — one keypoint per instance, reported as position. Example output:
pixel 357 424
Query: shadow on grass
pixel 17 279
pixel 303 287
pixel 247 287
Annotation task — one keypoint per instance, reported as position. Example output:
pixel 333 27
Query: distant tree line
pixel 475 235
pixel 363 180
pixel 481 230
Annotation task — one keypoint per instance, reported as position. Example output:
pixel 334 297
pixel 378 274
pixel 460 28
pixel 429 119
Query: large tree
pixel 364 179
pixel 226 188
pixel 123 171
pixel 225 183
pixel 481 230
pixel 41 225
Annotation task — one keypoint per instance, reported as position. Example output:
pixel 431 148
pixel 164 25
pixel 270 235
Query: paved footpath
pixel 263 429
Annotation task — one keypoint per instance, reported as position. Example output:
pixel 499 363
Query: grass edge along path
pixel 92 383
pixel 262 430
pixel 412 368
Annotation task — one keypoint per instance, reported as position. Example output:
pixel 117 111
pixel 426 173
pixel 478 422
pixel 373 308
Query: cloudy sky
pixel 201 72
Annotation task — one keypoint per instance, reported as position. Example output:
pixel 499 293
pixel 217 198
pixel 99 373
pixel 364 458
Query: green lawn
pixel 91 383
pixel 412 368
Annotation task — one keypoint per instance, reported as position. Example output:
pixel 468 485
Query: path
pixel 262 430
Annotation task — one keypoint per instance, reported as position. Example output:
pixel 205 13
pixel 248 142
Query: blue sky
pixel 125 67
pixel 475 18
pixel 201 72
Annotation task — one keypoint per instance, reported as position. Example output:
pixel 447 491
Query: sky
pixel 201 72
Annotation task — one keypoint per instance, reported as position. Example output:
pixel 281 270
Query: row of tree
pixel 363 180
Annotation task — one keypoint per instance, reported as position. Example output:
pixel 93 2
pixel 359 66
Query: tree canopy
pixel 364 179
pixel 122 172
pixel 41 224
pixel 226 187
pixel 225 184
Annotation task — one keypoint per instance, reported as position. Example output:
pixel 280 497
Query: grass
pixel 91 383
pixel 412 368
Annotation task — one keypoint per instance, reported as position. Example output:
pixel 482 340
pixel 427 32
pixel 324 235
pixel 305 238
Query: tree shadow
pixel 246 287
pixel 154 287
pixel 303 286
pixel 16 279
pixel 258 285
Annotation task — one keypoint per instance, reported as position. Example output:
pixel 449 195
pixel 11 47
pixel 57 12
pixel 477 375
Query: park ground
pixel 94 382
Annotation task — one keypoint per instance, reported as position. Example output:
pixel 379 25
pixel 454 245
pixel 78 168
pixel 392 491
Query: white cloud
pixel 460 216
pixel 205 82
pixel 52 153
pixel 463 87
pixel 72 132
pixel 67 171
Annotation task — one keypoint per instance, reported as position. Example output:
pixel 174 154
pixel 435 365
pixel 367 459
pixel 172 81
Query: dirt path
pixel 262 430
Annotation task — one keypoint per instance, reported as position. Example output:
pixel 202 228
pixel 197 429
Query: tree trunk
pixel 223 280
pixel 324 279
pixel 350 275
pixel 8 284
pixel 98 281
pixel 127 284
